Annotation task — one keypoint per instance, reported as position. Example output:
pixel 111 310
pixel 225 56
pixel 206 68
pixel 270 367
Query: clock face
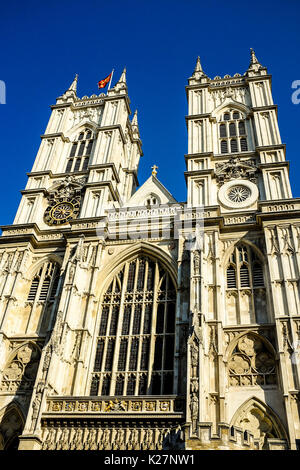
pixel 62 211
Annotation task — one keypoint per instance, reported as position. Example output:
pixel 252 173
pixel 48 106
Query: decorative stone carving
pixel 20 373
pixel 251 363
pixel 236 168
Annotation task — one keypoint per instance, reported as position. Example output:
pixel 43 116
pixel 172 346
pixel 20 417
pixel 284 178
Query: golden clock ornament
pixel 62 211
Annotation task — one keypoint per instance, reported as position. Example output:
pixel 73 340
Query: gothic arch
pixel 233 343
pixel 12 422
pixel 12 355
pixel 33 269
pixel 20 369
pixel 135 327
pixel 259 419
pixel 230 103
pixel 251 361
pixel 74 131
pixel 139 248
pixel 246 284
pixel 230 249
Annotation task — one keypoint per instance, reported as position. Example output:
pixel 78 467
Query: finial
pixel 154 168
pixel 123 76
pixel 253 57
pixel 198 71
pixel 73 86
pixel 134 121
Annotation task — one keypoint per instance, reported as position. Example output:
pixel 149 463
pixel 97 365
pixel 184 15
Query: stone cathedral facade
pixel 129 320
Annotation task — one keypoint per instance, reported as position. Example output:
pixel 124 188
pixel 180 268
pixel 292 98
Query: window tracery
pixel 135 343
pixel 80 152
pixel 251 363
pixel 20 372
pixel 232 132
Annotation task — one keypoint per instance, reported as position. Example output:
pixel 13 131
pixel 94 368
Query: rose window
pixel 239 193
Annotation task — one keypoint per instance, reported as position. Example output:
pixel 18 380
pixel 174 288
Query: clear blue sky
pixel 43 45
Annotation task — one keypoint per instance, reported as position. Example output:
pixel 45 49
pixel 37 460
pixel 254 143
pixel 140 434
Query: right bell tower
pixel 243 359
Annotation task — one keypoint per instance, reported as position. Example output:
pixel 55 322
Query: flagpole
pixel 110 79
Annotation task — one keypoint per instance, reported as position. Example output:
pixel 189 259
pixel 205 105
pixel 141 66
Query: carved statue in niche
pixel 196 262
pixel 35 409
pixel 194 359
pixel 134 441
pixel 63 443
pixel 49 443
pixel 105 444
pixel 119 441
pixel 77 443
pixel 194 405
pixel 92 440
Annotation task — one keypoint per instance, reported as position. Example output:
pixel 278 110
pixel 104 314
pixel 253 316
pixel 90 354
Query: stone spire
pixel 71 92
pixel 198 73
pixel 134 121
pixel 198 67
pixel 255 65
pixel 123 76
pixel 73 86
pixel 121 84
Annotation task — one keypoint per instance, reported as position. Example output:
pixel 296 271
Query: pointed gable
pixel 153 190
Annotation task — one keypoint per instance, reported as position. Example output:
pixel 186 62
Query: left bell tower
pixel 87 163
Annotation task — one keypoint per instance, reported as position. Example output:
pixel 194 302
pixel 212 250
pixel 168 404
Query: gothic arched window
pixel 245 287
pixel 232 124
pixel 44 284
pixel 136 334
pixel 80 152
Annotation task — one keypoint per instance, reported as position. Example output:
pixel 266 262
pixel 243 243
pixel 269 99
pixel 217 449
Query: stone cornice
pixel 53 136
pixel 112 128
pixel 264 148
pixel 209 171
pixel 101 184
pixel 258 78
pixel 24 233
pixel 61 105
pixel 106 165
pixel 34 191
pixel 265 108
pixel 191 117
pixel 275 165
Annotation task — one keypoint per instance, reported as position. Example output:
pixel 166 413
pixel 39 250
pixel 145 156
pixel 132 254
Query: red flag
pixel 104 82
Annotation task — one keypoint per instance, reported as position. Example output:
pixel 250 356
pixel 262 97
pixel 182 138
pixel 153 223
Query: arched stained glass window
pixel 134 351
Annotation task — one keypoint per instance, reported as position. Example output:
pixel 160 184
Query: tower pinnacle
pixel 73 86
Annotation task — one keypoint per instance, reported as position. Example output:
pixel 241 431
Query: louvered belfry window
pixel 135 342
pixel 44 284
pixel 244 273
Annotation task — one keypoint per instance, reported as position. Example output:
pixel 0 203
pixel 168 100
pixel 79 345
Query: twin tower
pixel 132 321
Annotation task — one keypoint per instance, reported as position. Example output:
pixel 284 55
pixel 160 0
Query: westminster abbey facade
pixel 132 321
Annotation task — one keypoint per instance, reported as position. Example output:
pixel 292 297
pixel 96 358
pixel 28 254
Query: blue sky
pixel 45 43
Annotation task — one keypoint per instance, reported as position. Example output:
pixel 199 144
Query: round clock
pixel 60 212
pixel 238 194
